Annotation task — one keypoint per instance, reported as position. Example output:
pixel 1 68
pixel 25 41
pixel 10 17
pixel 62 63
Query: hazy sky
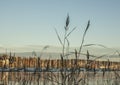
pixel 32 22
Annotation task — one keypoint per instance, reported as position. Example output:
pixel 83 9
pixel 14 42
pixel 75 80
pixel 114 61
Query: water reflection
pixel 49 78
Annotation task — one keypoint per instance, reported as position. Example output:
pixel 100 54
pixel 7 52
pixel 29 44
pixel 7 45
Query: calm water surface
pixel 48 78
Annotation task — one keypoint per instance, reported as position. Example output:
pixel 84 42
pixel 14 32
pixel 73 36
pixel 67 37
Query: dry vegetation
pixel 71 71
pixel 31 62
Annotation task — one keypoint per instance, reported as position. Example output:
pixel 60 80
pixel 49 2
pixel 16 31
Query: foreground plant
pixel 72 76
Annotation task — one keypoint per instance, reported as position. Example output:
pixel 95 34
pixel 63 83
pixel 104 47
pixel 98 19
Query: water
pixel 55 78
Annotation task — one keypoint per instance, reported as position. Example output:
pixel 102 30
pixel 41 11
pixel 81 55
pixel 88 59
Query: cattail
pixel 47 68
pixel 108 64
pixel 67 22
pixel 103 72
pixel 76 57
pixel 87 55
pixel 94 71
pixel 62 60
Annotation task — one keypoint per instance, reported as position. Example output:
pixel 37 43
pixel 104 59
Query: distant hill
pixel 54 52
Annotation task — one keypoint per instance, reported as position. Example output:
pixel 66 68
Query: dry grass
pixel 74 77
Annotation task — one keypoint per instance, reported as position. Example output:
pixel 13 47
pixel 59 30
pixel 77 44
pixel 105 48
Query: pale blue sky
pixel 32 22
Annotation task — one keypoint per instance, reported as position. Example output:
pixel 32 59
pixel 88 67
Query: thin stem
pixel 64 42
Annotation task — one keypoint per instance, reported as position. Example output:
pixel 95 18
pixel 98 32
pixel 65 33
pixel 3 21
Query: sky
pixel 25 23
